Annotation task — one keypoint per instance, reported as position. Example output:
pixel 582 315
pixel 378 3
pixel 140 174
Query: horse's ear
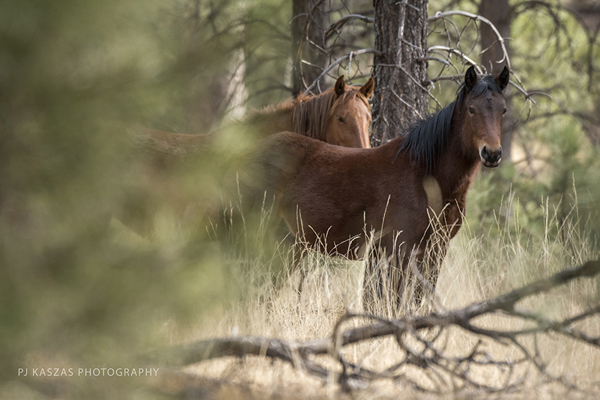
pixel 503 78
pixel 471 78
pixel 340 86
pixel 367 88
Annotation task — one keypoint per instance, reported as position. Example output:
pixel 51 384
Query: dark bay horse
pixel 404 192
pixel 340 116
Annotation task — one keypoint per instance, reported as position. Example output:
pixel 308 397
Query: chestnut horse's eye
pixel 340 119
pixel 471 110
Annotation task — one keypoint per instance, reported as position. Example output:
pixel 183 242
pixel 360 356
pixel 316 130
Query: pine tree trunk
pixel 399 98
pixel 306 40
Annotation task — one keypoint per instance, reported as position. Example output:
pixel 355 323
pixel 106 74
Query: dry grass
pixel 476 268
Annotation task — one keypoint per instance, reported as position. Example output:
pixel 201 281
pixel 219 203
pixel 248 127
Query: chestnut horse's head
pixel 483 107
pixel 340 115
pixel 350 116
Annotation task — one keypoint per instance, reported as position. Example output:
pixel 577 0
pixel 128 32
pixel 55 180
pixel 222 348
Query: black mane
pixel 426 139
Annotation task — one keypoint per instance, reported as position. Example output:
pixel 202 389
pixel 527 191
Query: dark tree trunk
pixel 498 12
pixel 399 98
pixel 589 12
pixel 309 21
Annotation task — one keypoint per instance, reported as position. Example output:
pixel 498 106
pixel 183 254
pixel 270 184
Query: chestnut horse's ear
pixel 471 78
pixel 367 88
pixel 340 86
pixel 503 78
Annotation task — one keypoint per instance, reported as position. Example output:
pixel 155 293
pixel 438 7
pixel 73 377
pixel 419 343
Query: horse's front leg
pixel 419 278
pixel 422 266
pixel 293 251
pixel 372 296
pixel 382 278
pixel 428 261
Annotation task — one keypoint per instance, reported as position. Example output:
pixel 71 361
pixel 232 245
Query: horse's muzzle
pixel 490 158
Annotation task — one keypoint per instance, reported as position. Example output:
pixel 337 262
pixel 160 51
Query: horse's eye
pixel 504 111
pixel 340 119
pixel 471 110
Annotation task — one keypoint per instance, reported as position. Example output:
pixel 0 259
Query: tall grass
pixel 478 266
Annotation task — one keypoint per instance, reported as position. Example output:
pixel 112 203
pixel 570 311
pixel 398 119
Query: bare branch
pixel 342 21
pixel 458 53
pixel 476 17
pixel 338 61
pixel 238 346
pixel 440 60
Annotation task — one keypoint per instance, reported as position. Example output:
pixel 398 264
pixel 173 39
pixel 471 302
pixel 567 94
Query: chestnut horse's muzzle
pixel 490 158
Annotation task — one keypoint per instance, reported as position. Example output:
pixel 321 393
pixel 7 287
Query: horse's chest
pixel 434 194
pixel 446 213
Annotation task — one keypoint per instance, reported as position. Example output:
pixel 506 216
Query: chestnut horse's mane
pixel 426 139
pixel 311 113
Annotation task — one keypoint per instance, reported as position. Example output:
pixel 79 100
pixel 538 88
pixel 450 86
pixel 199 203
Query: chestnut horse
pixel 403 192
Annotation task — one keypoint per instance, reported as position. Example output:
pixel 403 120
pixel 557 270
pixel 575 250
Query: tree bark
pixel 498 12
pixel 309 21
pixel 399 98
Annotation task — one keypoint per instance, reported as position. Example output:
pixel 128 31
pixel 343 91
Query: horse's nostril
pixel 485 153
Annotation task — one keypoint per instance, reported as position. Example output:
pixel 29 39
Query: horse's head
pixel 350 116
pixel 483 107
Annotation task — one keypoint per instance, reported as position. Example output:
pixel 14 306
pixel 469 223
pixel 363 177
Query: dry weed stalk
pixel 420 339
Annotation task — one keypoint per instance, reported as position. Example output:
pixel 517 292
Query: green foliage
pixel 77 289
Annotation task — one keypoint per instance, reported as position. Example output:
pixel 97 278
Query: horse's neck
pixel 455 169
pixel 268 122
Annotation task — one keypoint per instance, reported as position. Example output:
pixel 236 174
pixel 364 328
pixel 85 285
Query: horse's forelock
pixel 310 114
pixel 351 94
pixel 483 85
